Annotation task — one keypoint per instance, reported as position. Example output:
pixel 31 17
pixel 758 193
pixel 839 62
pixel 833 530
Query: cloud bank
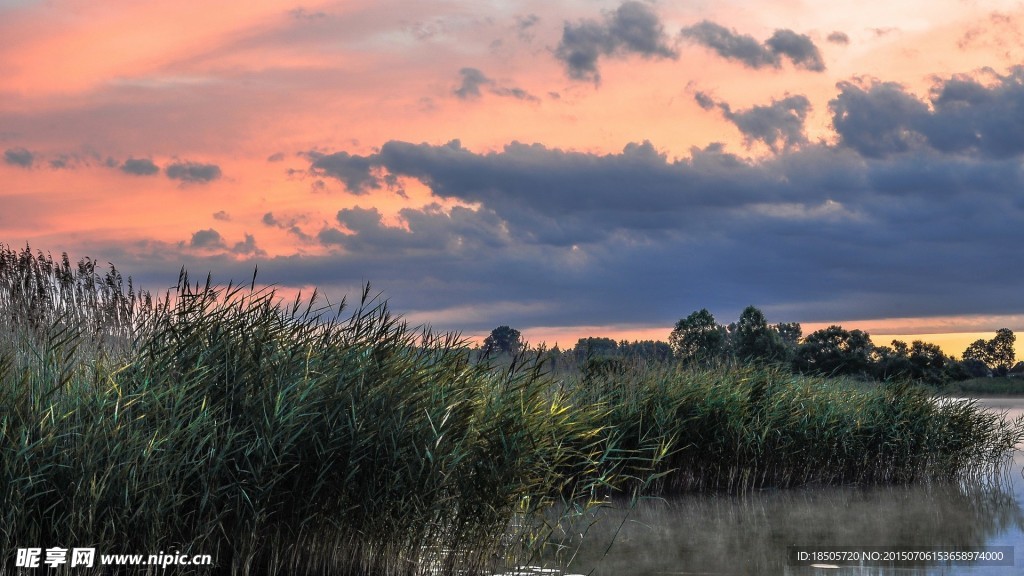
pixel 874 225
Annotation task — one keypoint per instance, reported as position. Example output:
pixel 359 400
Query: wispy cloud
pixel 193 172
pixel 473 80
pixel 19 157
pixel 729 44
pixel 139 167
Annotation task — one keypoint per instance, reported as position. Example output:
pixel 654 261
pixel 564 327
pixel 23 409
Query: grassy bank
pixel 995 386
pixel 297 438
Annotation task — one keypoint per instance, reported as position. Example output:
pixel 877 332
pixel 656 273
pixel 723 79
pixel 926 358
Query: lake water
pixel 751 534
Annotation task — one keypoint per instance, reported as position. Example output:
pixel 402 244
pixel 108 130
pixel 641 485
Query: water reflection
pixel 749 534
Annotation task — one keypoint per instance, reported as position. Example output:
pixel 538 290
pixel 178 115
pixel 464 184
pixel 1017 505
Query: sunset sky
pixel 576 168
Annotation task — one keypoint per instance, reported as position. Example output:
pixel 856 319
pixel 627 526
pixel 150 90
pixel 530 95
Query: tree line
pixel 699 339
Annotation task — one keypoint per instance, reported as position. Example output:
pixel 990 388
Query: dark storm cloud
pixel 798 48
pixel 634 28
pixel 459 232
pixel 551 237
pixel 193 172
pixel 729 44
pixel 208 238
pixel 19 157
pixel 248 247
pixel 779 124
pixel 912 214
pixel 961 116
pixel 351 170
pixel 290 225
pixel 139 167
pixel 582 194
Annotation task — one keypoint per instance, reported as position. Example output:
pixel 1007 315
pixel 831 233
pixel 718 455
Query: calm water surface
pixel 750 534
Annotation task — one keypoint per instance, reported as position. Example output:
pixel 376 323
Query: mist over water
pixel 749 534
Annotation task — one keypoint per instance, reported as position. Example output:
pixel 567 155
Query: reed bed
pixel 743 427
pixel 279 439
pixel 300 438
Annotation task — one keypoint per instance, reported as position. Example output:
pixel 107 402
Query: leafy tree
pixel 975 368
pixel 503 339
pixel 790 332
pixel 1001 350
pixel 927 361
pixel 834 350
pixel 978 351
pixel 997 354
pixel 656 351
pixel 891 362
pixel 587 348
pixel 698 338
pixel 754 340
pixel 920 361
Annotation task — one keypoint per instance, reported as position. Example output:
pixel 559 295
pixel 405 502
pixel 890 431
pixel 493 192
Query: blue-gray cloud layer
pixel 634 28
pixel 962 116
pixel 896 219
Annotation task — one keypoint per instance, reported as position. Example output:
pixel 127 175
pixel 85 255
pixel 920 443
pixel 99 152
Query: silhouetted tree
pixel 927 362
pixel 790 332
pixel 588 348
pixel 834 350
pixel 754 340
pixel 891 362
pixel 1002 352
pixel 503 339
pixel 997 354
pixel 651 350
pixel 698 338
